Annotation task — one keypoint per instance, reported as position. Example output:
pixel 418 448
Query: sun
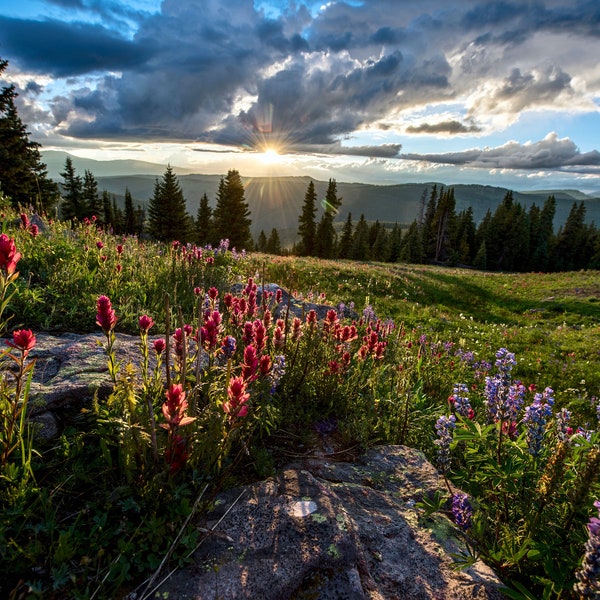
pixel 270 156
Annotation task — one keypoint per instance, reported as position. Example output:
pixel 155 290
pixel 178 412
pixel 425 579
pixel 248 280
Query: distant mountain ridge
pixel 277 201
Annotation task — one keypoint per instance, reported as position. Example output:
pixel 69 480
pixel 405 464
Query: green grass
pixel 123 453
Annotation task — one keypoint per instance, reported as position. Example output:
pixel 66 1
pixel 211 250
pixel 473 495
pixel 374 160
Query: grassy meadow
pixel 495 377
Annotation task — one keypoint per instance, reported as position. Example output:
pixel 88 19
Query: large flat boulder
pixel 324 530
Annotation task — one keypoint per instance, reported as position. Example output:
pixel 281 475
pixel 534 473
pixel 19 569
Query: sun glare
pixel 270 156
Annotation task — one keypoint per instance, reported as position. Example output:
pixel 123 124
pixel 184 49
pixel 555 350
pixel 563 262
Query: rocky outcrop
pixel 330 531
pixel 320 529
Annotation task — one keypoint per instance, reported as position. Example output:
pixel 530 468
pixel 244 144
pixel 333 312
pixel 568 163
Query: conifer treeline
pixel 511 238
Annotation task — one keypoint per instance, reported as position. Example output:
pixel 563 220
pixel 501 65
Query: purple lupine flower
pixel 444 427
pixel 460 400
pixel 536 417
pixel 462 511
pixel 277 371
pixel 228 346
pixel 563 430
pixel 369 314
pixel 504 398
pixel 588 576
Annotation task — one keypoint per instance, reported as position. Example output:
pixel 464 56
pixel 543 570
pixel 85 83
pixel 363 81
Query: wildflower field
pixel 495 377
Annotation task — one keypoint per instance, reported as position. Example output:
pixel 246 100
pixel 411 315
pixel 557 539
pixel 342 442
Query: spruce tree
pixel 107 217
pixel 326 236
pixel 72 206
pixel 307 225
pixel 129 224
pixel 232 216
pixel 274 243
pixel 91 201
pixel 360 242
pixel 204 222
pixel 167 216
pixel 345 245
pixel 261 244
pixel 23 176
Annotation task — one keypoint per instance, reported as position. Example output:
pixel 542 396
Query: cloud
pixel 549 153
pixel 231 74
pixel 66 49
pixel 449 127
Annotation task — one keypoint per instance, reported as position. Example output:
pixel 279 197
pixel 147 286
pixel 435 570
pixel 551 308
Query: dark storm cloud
pixel 549 153
pixel 449 127
pixel 61 49
pixel 221 72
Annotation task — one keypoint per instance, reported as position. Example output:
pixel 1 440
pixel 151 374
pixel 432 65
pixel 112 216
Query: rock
pixel 69 370
pixel 331 531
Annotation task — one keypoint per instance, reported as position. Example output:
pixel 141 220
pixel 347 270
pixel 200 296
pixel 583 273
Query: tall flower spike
pixel 9 257
pixel 588 576
pixel 106 318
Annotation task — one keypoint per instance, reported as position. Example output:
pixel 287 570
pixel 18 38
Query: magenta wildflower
pixel 145 323
pixel 23 340
pixel 105 317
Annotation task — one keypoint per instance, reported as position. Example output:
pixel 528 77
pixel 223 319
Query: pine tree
pixel 507 239
pixel 91 201
pixel 261 244
pixel 380 250
pixel 72 206
pixel 167 216
pixel 360 242
pixel 326 237
pixel 411 250
pixel 23 177
pixel 396 242
pixel 232 216
pixel 204 222
pixel 345 245
pixel 572 241
pixel 274 243
pixel 541 228
pixel 307 225
pixel 107 218
pixel 129 224
pixel 117 217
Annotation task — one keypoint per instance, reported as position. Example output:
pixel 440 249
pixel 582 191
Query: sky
pixel 491 92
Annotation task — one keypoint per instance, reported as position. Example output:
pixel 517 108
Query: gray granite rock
pixel 333 531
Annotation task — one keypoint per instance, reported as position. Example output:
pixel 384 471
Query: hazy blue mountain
pixel 277 201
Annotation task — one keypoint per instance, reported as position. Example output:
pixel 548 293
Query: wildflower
pixel 368 314
pixel 265 364
pixel 9 257
pixel 23 340
pixel 562 424
pixel 24 221
pixel 99 245
pixel 444 427
pixel 588 576
pixel 250 365
pixel 145 323
pixel 119 268
pixel 159 346
pixel 34 230
pixel 174 408
pixel 277 372
pixel 535 419
pixel 504 399
pixel 462 511
pixel 209 332
pixel 105 318
pixel 461 403
pixel 176 454
pixel 197 291
pixel 213 293
pixel 120 249
pixel 228 346
pixel 296 329
pixel 235 406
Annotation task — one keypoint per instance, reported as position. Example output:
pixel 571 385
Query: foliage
pixel 23 176
pixel 167 216
pixel 231 217
pixel 230 382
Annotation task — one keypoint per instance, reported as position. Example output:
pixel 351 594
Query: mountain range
pixel 276 202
